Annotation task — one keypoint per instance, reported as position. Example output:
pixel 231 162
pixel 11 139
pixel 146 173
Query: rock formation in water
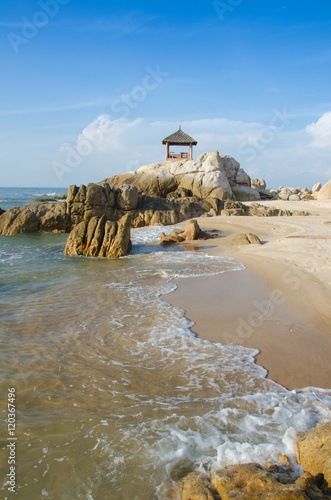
pixel 251 482
pixel 96 200
pixel 210 175
pixel 271 482
pixel 32 218
pixel 100 237
pixel 191 232
pixel 313 451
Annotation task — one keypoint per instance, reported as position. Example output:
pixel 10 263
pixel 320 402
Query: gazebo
pixel 179 138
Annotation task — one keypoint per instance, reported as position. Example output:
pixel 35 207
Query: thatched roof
pixel 179 138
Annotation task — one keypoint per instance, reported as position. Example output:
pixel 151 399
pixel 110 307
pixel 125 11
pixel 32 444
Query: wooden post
pixel 167 151
pixel 191 152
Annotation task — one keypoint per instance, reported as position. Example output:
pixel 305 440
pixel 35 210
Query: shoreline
pixel 280 304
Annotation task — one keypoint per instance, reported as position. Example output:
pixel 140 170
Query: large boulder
pixel 127 197
pixel 245 193
pixel 210 175
pixel 246 239
pixel 325 192
pixel 250 482
pixel 191 232
pixel 100 237
pixel 32 218
pixel 316 187
pixel 313 451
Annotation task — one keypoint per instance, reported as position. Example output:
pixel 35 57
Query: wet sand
pixel 281 303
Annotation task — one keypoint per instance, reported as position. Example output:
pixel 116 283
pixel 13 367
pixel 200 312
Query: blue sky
pixel 90 88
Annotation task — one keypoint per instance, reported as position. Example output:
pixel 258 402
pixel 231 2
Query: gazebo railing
pixel 180 156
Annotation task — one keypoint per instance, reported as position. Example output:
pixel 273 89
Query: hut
pixel 179 138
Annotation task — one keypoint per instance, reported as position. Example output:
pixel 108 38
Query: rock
pixel 313 451
pixel 307 197
pixel 316 187
pixel 210 175
pixel 246 239
pixel 267 194
pixel 127 197
pixel 195 486
pixel 294 197
pixel 100 237
pixel 234 208
pixel 250 482
pixel 242 178
pixel 191 232
pixel 2 211
pixel 325 192
pixel 245 193
pixel 258 184
pixel 32 218
pixel 284 194
pixel 97 200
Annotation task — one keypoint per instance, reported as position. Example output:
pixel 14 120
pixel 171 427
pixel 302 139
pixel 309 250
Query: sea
pixel 109 393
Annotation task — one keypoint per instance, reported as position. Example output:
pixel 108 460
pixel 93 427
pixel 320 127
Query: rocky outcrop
pixel 191 232
pixel 210 175
pixel 32 218
pixel 234 208
pixel 313 451
pixel 325 192
pixel 260 186
pixel 100 237
pixel 97 200
pixel 2 211
pixel 114 202
pixel 296 194
pixel 246 239
pixel 288 193
pixel 251 482
pixel 272 481
pixel 316 187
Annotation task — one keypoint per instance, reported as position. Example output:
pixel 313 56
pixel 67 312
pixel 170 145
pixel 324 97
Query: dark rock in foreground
pixel 313 450
pixel 252 482
pixel 271 482
pixel 100 237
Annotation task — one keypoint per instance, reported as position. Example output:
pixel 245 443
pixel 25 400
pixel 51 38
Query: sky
pixel 89 88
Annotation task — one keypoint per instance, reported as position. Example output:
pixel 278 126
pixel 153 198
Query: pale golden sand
pixel 281 304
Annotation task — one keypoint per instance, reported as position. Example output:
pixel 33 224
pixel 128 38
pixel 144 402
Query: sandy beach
pixel 281 303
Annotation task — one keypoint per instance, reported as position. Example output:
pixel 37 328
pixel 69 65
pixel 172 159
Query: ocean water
pixel 116 398
pixel 16 197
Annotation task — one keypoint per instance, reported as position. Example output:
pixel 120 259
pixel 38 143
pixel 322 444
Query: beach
pixel 281 303
pixel 115 394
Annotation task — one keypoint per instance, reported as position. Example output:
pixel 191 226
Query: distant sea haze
pixel 115 396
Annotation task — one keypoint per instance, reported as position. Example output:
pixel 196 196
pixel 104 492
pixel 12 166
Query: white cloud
pixel 272 151
pixel 321 131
